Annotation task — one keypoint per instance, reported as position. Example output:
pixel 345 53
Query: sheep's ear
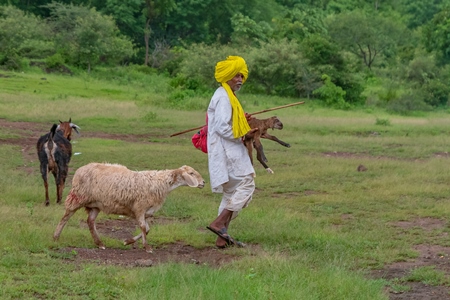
pixel 190 180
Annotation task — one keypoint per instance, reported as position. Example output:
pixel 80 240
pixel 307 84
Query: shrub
pixel 331 94
pixel 54 61
pixel 407 103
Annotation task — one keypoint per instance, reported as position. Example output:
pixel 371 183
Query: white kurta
pixel 226 154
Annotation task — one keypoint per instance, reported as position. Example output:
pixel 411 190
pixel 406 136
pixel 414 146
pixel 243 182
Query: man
pixel 230 169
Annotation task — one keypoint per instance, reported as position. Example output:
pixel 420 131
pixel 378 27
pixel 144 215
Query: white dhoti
pixel 237 193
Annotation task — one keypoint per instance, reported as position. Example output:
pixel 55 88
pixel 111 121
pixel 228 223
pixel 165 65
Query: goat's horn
pixel 75 127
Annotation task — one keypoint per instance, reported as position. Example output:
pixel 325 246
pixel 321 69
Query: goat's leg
pixel 275 139
pixel 92 215
pixel 60 179
pixel 44 174
pixel 261 157
pixel 259 151
pixel 62 223
pixel 249 145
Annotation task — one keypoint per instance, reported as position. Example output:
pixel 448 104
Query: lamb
pixel 255 139
pixel 54 151
pixel 114 189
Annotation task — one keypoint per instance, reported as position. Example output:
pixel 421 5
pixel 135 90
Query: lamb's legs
pixel 62 223
pixel 92 215
pixel 249 145
pixel 275 139
pixel 261 157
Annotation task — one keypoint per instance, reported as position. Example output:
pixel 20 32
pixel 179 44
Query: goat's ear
pixel 60 122
pixel 70 119
pixel 190 180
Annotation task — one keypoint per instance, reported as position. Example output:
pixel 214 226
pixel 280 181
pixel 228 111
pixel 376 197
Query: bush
pixel 54 61
pixel 408 103
pixel 331 94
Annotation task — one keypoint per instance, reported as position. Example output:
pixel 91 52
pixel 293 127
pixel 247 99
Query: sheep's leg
pixel 62 223
pixel 92 215
pixel 144 228
pixel 275 139
pixel 137 237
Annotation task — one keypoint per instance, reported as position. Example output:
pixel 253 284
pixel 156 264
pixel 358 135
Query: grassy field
pixel 316 227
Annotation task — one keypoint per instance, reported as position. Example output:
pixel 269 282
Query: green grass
pixel 320 225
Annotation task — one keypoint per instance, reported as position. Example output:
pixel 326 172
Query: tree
pixel 128 16
pixel 154 9
pixel 249 32
pixel 85 37
pixel 366 36
pixel 436 33
pixel 278 68
pixel 296 24
pixel 421 12
pixel 22 36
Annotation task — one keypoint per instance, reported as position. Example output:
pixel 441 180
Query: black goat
pixel 254 141
pixel 54 151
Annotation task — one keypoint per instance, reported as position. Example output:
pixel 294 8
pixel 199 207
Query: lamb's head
pixel 277 124
pixel 191 177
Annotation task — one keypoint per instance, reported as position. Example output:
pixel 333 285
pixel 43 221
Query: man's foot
pixel 222 233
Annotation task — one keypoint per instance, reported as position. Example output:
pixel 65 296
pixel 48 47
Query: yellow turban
pixel 225 71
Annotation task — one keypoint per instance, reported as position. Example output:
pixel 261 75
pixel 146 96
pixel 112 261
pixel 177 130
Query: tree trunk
pixel 146 40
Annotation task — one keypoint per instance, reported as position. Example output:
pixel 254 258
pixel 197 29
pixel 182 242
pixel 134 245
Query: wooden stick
pixel 278 107
pixel 255 113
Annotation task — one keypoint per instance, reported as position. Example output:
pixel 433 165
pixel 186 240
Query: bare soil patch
pixel 135 256
pixel 179 252
pixel 428 255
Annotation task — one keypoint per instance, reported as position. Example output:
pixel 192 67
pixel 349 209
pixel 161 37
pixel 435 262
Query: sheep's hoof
pixel 148 249
pixel 128 242
pixel 269 170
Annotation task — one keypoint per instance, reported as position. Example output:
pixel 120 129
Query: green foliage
pixel 86 37
pixel 321 51
pixel 298 23
pixel 248 32
pixel 407 103
pixel 331 94
pixel 367 36
pixel 22 36
pixel 435 35
pixel 421 12
pixel 196 70
pixel 54 61
pixel 276 68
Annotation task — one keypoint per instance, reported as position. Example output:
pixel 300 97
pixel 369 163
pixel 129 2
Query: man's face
pixel 235 83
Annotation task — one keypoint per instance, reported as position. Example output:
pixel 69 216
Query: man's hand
pixel 248 117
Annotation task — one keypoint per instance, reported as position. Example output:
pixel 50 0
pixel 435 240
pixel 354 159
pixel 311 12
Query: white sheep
pixel 114 189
